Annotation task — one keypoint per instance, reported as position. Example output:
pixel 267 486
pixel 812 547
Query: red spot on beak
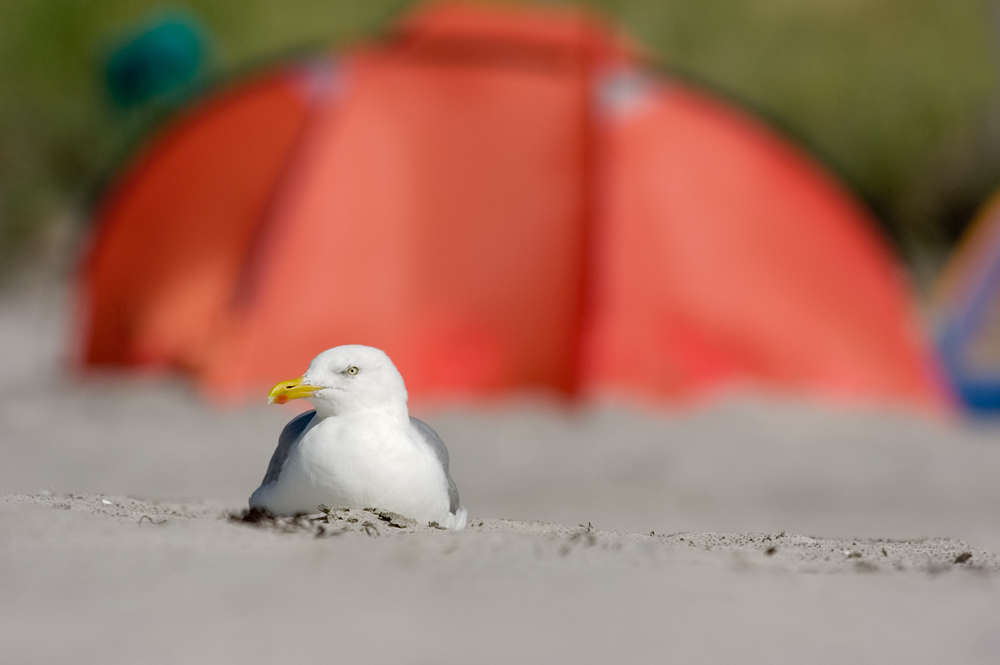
pixel 281 399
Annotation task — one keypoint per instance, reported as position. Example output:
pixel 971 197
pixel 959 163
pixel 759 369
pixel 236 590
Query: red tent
pixel 498 198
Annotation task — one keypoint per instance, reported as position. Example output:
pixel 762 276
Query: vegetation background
pixel 899 97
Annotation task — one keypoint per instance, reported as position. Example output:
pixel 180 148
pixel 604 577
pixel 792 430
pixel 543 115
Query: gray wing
pixel 437 445
pixel 286 440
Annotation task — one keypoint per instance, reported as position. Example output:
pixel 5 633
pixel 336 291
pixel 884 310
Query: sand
pixel 750 530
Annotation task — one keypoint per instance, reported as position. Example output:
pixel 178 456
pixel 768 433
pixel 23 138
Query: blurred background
pixel 899 97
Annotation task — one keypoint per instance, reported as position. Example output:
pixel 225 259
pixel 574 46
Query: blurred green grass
pixel 899 97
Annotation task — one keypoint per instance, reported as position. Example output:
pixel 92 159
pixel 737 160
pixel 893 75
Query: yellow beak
pixel 288 390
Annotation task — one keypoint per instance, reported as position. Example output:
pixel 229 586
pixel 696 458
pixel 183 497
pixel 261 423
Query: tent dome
pixel 500 199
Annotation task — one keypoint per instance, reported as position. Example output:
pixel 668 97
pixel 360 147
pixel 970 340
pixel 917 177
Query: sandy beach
pixel 750 530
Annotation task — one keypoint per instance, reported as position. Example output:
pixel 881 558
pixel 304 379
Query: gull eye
pixel 351 371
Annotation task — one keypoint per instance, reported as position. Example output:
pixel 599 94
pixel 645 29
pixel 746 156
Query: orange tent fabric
pixel 498 198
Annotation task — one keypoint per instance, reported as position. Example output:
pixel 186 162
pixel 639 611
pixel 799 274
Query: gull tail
pixel 456 520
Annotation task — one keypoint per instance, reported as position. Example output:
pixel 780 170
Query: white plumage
pixel 359 448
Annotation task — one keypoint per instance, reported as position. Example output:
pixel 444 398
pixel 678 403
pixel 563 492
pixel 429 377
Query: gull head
pixel 347 379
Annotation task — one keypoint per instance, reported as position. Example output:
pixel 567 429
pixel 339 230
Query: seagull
pixel 359 448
